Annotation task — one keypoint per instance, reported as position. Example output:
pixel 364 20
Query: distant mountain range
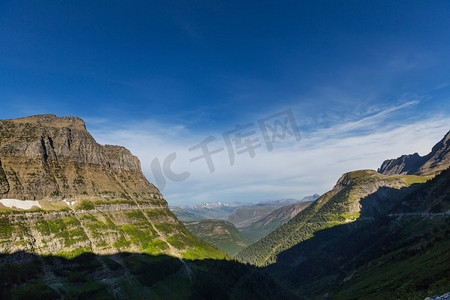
pixel 252 220
pixel 225 210
pixel 290 201
pixel 209 210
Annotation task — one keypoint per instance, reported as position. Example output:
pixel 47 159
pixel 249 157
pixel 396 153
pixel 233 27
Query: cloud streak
pixel 292 170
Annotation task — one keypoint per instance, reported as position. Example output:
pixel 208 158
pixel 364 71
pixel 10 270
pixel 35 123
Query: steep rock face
pixel 437 160
pixel 92 198
pixel 46 157
pixel 405 164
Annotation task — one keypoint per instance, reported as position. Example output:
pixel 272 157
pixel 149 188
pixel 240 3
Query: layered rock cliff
pixel 51 158
pixel 88 197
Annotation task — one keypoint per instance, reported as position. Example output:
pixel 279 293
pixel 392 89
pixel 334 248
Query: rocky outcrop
pixel 4 186
pixel 437 160
pixel 405 164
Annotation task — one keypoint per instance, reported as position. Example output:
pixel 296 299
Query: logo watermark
pixel 240 140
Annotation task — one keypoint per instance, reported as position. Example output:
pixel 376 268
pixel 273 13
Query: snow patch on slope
pixel 20 204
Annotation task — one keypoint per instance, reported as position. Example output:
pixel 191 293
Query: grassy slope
pixel 383 259
pixel 416 271
pixel 417 263
pixel 88 230
pixel 221 234
pixel 336 207
pixel 401 254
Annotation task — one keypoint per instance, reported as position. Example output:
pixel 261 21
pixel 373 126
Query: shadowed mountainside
pixel 132 276
pixel 399 253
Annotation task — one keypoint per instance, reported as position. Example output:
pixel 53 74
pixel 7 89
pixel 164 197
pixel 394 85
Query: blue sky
pixel 366 80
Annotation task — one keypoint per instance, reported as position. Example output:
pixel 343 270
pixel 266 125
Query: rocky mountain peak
pixel 443 146
pixel 437 160
pixel 405 164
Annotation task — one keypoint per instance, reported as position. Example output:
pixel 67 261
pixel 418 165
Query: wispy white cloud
pixel 368 123
pixel 293 169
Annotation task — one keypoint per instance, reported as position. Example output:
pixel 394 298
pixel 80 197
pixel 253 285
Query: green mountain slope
pixel 221 234
pixel 93 229
pixel 339 206
pixel 266 224
pixel 400 254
